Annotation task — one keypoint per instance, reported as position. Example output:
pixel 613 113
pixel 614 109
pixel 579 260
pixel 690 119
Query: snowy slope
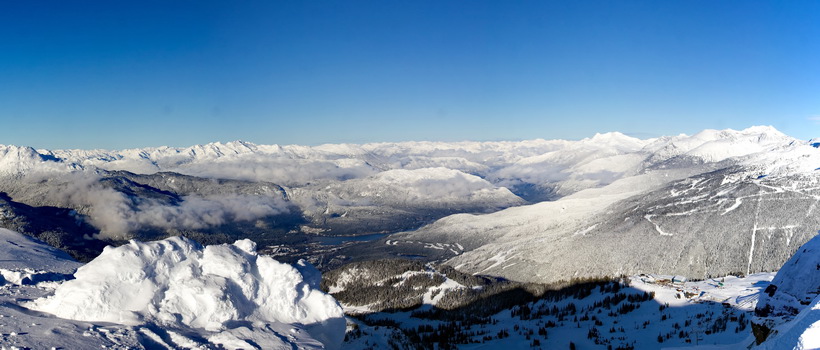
pixel 650 312
pixel 790 307
pixel 21 252
pixel 647 312
pixel 30 269
pixel 714 203
pixel 801 333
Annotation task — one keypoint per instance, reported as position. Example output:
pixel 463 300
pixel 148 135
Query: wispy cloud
pixel 815 119
pixel 117 214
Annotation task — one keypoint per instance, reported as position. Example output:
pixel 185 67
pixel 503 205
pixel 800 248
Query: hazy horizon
pixel 116 75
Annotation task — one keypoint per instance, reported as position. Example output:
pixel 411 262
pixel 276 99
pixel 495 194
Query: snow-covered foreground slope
pixel 407 304
pixel 23 253
pixel 801 333
pixel 789 309
pixel 166 294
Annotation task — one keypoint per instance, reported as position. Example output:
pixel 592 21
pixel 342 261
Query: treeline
pixel 382 285
pixel 400 284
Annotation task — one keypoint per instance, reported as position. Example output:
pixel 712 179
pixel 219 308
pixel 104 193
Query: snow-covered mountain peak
pixel 760 132
pixel 19 153
pixel 717 145
pixel 766 130
pixel 21 159
pixel 616 140
pixel 219 149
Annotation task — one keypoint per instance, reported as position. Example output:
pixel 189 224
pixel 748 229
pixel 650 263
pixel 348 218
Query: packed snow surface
pixel 239 299
pixel 21 252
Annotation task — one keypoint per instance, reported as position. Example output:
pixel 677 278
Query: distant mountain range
pixel 710 204
pixel 717 202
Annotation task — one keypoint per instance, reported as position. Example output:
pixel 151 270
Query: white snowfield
pixel 226 294
pixel 23 253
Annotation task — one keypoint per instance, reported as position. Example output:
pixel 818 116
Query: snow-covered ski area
pixel 642 312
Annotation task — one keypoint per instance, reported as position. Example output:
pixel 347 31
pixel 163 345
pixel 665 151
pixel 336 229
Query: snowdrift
pixel 226 293
pixel 21 252
pixel 27 261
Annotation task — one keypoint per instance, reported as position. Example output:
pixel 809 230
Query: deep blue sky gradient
pixel 121 74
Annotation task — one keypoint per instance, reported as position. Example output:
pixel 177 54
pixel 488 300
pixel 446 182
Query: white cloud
pixel 117 215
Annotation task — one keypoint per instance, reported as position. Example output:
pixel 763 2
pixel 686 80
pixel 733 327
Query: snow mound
pixel 227 292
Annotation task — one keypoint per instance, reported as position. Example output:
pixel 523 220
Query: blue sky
pixel 120 74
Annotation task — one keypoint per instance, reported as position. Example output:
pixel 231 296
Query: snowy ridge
pixel 367 159
pixel 718 145
pixel 713 183
pixel 16 160
pixel 568 166
pixel 801 333
pixel 789 309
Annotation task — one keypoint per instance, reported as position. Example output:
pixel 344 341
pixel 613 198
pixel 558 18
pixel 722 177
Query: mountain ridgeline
pixel 713 203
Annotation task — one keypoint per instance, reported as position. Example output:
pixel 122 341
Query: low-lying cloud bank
pixel 118 213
